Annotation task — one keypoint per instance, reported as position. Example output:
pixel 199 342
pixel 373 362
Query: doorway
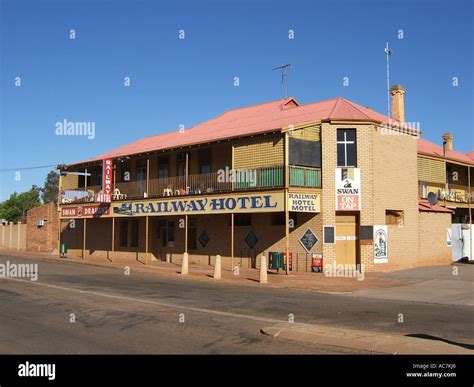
pixel 347 239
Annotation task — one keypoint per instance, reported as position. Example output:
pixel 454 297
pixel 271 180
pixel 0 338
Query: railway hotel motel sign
pixel 348 189
pixel 202 205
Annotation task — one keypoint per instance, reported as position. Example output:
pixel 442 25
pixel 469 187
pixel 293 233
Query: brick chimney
pixel 447 142
pixel 398 102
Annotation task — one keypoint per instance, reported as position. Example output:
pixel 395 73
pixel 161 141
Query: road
pixel 151 313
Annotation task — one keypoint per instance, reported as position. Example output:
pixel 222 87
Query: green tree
pixel 17 205
pixel 49 193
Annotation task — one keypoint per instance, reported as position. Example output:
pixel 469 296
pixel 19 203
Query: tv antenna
pixel 388 52
pixel 284 76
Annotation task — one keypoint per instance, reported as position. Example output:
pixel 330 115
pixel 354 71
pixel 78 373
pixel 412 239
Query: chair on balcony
pixel 118 195
pixel 66 201
pixel 167 192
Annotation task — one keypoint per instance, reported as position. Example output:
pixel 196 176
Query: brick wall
pixel 433 248
pixel 43 238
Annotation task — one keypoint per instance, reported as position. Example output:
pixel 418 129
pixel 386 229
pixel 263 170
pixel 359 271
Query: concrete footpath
pixel 295 280
pixel 377 343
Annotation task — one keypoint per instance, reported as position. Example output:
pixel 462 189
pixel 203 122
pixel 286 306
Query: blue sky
pixel 186 81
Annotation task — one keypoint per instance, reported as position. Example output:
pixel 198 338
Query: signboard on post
pixel 348 189
pixel 304 202
pixel 107 172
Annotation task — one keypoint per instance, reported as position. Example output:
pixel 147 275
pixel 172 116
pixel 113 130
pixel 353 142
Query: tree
pixel 17 205
pixel 49 193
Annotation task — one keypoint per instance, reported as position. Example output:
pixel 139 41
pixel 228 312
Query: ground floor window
pixel 242 220
pixel 129 232
pixel 278 219
pixel 192 233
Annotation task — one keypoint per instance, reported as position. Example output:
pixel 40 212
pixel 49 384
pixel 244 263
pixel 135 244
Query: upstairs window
pixel 346 148
pixel 205 161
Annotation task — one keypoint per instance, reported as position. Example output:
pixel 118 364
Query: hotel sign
pixel 348 189
pixel 303 202
pixel 224 204
pixel 107 171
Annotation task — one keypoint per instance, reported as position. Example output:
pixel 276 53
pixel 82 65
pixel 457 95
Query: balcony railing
pixel 216 182
pixel 455 195
pixel 79 195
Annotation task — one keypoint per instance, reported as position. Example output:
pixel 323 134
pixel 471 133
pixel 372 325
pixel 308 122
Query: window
pixel 242 219
pixel 133 223
pixel 278 219
pixel 192 233
pixel 129 232
pixel 163 167
pixel 123 232
pixel 205 161
pixel 168 234
pixel 181 162
pixel 394 217
pixel 346 147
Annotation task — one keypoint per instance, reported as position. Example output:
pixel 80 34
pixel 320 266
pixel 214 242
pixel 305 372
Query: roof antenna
pixel 388 52
pixel 284 76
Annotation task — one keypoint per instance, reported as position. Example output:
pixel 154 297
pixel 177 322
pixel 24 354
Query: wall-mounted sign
pixel 107 172
pixel 251 240
pixel 303 202
pixel 203 205
pixel 380 244
pixel 308 240
pixel 85 211
pixel 203 238
pixel 348 189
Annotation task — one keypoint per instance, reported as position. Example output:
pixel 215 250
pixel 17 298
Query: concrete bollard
pixel 184 265
pixel 168 257
pixel 263 270
pixel 217 267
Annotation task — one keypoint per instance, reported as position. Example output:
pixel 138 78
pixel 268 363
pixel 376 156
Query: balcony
pixel 455 194
pixel 216 182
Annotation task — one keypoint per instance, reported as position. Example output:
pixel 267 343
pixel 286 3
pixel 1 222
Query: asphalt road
pixel 151 313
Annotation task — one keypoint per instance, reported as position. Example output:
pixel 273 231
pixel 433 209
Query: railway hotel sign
pixel 202 205
pixel 348 189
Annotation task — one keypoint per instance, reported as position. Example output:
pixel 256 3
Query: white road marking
pixel 150 302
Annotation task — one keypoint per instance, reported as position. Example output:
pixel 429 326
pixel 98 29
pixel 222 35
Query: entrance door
pixel 346 239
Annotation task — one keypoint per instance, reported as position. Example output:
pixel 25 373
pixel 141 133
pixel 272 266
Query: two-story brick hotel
pixel 330 179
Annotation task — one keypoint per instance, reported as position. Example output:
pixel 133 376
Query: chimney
pixel 447 143
pixel 398 102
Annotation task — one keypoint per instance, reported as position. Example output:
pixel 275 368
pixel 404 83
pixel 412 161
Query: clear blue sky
pixel 188 81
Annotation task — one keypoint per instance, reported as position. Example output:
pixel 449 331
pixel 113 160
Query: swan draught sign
pixel 348 189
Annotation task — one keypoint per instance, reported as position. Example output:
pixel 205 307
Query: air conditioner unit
pixel 40 223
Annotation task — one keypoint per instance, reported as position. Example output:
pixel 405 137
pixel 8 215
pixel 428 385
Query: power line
pixel 26 168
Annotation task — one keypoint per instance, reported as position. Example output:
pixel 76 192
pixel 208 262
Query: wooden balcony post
pixel 185 234
pixel 147 178
pixel 113 240
pixel 84 238
pixel 470 213
pixel 146 240
pixel 287 214
pixel 232 242
pixel 186 172
pixel 85 179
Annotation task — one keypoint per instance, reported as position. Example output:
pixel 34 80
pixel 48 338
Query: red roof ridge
pixel 355 106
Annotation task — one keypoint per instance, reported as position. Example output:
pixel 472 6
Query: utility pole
pixel 284 76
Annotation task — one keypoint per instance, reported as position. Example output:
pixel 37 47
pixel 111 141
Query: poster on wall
pixel 348 189
pixel 380 244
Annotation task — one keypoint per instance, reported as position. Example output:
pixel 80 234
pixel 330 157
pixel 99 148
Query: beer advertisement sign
pixel 348 189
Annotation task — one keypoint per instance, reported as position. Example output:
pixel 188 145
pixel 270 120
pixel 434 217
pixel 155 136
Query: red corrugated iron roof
pixel 424 205
pixel 251 120
pixel 432 149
